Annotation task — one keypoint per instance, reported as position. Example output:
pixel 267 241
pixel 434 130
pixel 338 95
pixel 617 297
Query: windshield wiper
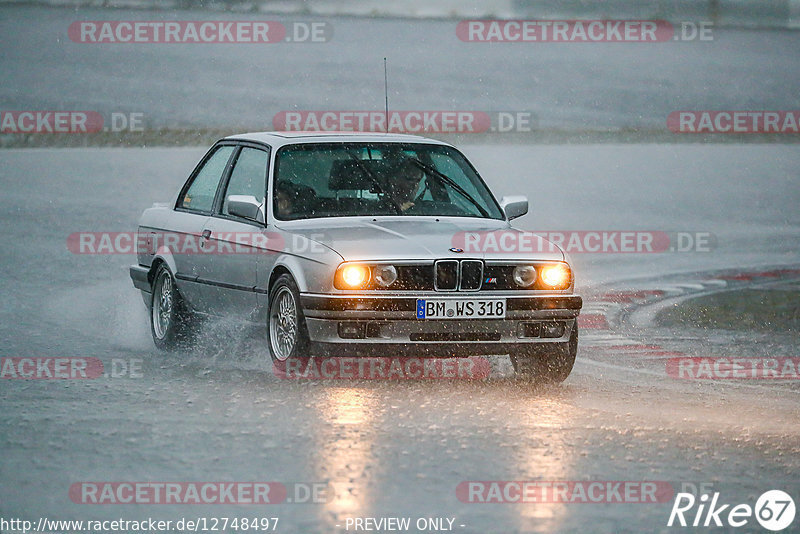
pixel 375 182
pixel 449 181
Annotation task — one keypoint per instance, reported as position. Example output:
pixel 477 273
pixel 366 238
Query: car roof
pixel 277 139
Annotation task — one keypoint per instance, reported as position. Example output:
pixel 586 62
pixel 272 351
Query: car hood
pixel 428 238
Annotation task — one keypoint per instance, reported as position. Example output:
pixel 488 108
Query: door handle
pixel 205 237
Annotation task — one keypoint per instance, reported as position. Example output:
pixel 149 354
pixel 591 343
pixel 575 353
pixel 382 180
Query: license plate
pixel 461 308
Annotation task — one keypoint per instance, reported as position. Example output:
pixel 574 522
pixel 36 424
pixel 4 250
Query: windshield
pixel 366 179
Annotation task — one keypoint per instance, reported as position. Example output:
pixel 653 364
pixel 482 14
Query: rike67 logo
pixel 774 510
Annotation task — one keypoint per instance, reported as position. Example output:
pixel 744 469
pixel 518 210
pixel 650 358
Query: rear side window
pixel 200 194
pixel 249 176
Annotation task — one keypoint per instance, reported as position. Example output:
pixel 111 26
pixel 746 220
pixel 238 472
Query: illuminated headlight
pixel 384 275
pixel 351 276
pixel 524 275
pixel 555 276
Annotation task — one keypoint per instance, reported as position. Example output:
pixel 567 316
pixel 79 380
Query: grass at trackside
pixel 747 309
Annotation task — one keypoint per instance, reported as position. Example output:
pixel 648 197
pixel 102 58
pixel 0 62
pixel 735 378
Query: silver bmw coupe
pixel 356 244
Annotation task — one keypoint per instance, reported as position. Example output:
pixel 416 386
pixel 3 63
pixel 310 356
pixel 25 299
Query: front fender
pixel 311 274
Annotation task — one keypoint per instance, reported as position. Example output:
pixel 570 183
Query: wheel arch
pixel 160 259
pixel 276 273
pixel 291 266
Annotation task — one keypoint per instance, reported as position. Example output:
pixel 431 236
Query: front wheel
pixel 287 336
pixel 548 363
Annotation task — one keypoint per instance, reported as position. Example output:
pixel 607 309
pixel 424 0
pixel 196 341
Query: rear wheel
pixel 287 335
pixel 547 363
pixel 170 320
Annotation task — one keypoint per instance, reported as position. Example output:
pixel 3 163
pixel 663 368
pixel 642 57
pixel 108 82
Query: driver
pixel 405 185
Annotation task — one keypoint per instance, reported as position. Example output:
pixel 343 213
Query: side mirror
pixel 514 206
pixel 245 206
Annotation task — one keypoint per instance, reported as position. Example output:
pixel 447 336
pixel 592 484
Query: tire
pixel 171 322
pixel 548 364
pixel 287 334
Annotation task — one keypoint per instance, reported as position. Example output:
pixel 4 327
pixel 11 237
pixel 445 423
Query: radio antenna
pixel 386 94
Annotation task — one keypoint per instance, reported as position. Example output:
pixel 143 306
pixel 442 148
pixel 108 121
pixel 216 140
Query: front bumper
pixel 388 324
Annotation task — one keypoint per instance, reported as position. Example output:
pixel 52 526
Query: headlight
pixel 351 276
pixel 524 275
pixel 384 275
pixel 555 276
